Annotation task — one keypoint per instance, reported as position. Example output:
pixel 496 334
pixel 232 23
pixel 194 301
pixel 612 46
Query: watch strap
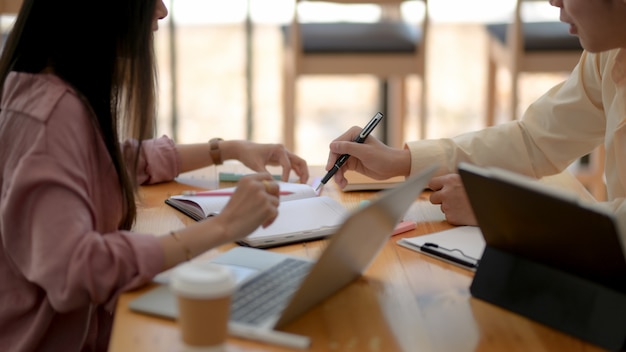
pixel 214 151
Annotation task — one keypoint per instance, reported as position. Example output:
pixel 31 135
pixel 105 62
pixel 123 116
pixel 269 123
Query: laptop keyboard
pixel 267 293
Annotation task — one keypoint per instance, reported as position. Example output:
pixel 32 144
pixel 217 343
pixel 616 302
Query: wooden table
pixel 406 301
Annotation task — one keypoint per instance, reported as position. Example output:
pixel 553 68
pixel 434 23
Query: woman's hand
pixel 254 203
pixel 448 191
pixel 257 156
pixel 372 158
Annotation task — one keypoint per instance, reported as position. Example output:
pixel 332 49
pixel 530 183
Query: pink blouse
pixel 63 261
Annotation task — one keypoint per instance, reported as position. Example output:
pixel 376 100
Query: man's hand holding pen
pixel 372 157
pixel 341 159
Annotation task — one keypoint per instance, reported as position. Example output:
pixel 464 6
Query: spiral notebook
pixel 302 214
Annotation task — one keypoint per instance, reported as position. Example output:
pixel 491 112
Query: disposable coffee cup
pixel 203 292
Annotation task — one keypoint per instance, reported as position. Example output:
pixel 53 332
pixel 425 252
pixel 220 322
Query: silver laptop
pixel 303 283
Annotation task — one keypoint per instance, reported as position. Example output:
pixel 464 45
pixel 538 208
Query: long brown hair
pixel 104 50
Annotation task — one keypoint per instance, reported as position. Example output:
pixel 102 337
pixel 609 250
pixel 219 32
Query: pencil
pixel 221 194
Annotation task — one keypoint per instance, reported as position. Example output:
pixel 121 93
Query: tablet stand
pixel 573 305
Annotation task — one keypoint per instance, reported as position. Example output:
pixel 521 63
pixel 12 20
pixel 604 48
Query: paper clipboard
pixel 462 246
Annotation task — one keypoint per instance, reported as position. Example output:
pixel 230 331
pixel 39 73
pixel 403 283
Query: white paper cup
pixel 203 292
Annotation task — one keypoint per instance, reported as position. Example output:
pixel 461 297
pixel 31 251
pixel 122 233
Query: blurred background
pixel 220 73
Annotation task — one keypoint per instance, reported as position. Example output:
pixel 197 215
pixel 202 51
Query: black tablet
pixel 546 225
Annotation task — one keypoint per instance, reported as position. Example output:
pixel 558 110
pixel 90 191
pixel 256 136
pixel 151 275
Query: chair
pixel 390 49
pixel 526 47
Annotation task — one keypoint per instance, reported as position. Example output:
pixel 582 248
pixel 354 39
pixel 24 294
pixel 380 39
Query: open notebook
pixel 300 283
pixel 302 214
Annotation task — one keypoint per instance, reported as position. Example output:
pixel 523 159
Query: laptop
pixel 349 252
pixel 549 256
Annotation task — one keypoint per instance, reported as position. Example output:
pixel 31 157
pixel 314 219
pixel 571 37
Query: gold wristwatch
pixel 214 151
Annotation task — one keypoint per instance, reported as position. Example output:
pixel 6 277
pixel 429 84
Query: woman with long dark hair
pixel 76 138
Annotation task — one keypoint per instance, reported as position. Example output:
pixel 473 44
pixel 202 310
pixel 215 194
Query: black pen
pixel 359 139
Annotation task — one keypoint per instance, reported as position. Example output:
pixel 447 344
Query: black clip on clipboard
pixel 455 256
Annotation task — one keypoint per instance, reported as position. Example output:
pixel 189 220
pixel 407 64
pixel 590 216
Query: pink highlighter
pixel 404 226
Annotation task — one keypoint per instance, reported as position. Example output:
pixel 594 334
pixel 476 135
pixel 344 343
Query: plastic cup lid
pixel 202 280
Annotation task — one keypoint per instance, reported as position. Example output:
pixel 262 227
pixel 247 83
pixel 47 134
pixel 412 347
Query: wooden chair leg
pixel 490 113
pixel 592 175
pixel 514 95
pixel 423 108
pixel 597 186
pixel 289 106
pixel 396 113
